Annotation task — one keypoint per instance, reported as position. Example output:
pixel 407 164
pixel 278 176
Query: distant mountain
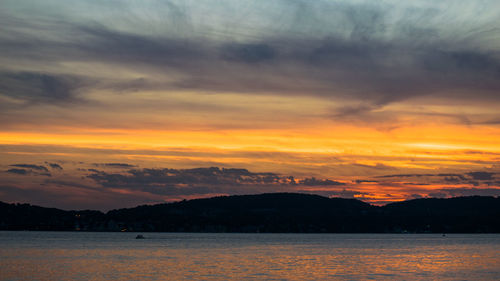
pixel 272 212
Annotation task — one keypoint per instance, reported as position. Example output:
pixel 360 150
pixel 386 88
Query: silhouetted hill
pixel 273 212
pixel 28 217
pixel 460 214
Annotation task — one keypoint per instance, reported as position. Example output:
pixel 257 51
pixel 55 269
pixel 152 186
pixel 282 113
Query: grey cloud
pixel 368 70
pixel 451 175
pixel 365 181
pixel 472 178
pixel 202 180
pixel 18 171
pixel 414 196
pixel 349 193
pixel 28 172
pixel 377 166
pixel 455 192
pixel 414 183
pixel 319 182
pixel 110 45
pixel 344 193
pixel 481 175
pixel 30 169
pixel 423 175
pixel 39 87
pixel 404 175
pixel 55 166
pixel 31 166
pixel 452 179
pixel 114 165
pixel 249 53
pixel 171 177
pixel 373 113
pixel 366 55
pixel 493 121
pixel 348 111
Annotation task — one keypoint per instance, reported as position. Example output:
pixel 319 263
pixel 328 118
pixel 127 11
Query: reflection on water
pixel 185 256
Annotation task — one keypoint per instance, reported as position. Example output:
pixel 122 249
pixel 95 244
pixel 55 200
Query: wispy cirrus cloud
pixel 370 52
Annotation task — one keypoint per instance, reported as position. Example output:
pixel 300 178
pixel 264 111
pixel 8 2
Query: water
pixel 187 256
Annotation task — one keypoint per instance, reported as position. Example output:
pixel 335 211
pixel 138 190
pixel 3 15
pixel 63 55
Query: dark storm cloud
pixel 338 49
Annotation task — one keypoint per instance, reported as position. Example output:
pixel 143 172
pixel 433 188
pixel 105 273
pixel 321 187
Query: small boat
pixel 139 236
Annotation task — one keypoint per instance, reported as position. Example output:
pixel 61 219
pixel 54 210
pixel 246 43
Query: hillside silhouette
pixel 272 212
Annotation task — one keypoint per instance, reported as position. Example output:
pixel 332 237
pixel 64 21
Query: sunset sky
pixel 110 104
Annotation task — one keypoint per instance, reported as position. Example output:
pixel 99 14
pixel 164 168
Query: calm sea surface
pixel 187 256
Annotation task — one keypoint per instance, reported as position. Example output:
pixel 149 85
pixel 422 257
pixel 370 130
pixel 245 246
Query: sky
pixel 111 104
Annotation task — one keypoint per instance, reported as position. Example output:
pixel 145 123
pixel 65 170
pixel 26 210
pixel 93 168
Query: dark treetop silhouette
pixel 271 212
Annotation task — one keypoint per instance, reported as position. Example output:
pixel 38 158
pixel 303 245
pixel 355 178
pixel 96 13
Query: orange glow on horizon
pixel 339 152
